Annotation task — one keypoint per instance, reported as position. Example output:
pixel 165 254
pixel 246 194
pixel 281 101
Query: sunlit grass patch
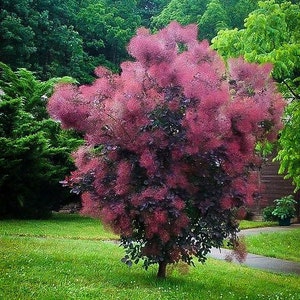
pixel 284 245
pixel 71 257
pixel 60 225
pixel 245 224
pixel 39 268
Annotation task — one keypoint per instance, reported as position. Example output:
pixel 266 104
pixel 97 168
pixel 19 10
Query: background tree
pixel 237 11
pixel 210 15
pixel 170 144
pixel 17 38
pixel 59 37
pixel 150 8
pixel 40 35
pixel 34 151
pixel 213 19
pixel 184 11
pixel 272 34
pixel 106 27
pixel 55 38
pixel 289 142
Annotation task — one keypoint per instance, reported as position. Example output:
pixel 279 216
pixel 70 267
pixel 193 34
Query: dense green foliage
pixel 150 8
pixel 289 141
pixel 210 15
pixel 106 27
pixel 40 35
pixel 70 37
pixel 272 34
pixel 34 151
pixel 183 11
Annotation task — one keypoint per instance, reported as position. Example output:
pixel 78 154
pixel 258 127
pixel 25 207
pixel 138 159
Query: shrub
pixel 268 214
pixel 35 152
pixel 170 144
pixel 284 207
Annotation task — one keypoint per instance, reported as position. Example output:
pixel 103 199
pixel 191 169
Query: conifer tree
pixel 170 144
pixel 34 150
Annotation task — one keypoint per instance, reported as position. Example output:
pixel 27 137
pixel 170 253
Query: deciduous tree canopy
pixel 210 15
pixel 272 34
pixel 170 144
pixel 72 37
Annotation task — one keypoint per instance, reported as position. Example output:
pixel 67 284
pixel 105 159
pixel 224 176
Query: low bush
pixel 267 214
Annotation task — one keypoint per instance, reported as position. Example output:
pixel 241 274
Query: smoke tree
pixel 170 144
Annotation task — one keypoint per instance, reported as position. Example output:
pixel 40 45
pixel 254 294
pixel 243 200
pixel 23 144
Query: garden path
pixel 258 261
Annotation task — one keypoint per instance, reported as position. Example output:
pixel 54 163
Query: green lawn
pixel 69 257
pixel 284 245
pixel 60 225
pixel 245 224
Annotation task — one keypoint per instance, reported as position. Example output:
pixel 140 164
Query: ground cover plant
pixel 169 144
pixel 58 265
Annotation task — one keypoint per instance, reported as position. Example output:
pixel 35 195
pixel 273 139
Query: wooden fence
pixel 272 186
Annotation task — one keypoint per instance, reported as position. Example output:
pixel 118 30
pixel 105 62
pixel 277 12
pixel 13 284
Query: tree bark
pixel 162 269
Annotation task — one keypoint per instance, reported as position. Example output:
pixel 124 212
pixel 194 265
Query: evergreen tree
pixel 34 151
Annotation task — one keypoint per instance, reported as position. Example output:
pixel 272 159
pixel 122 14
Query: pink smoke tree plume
pixel 169 148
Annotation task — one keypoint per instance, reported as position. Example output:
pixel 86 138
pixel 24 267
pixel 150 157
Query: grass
pixel 39 268
pixel 67 257
pixel 70 226
pixel 283 245
pixel 245 224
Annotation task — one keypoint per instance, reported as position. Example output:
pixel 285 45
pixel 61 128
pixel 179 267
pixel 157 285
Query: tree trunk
pixel 162 268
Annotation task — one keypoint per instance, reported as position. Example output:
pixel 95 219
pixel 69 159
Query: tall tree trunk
pixel 162 269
